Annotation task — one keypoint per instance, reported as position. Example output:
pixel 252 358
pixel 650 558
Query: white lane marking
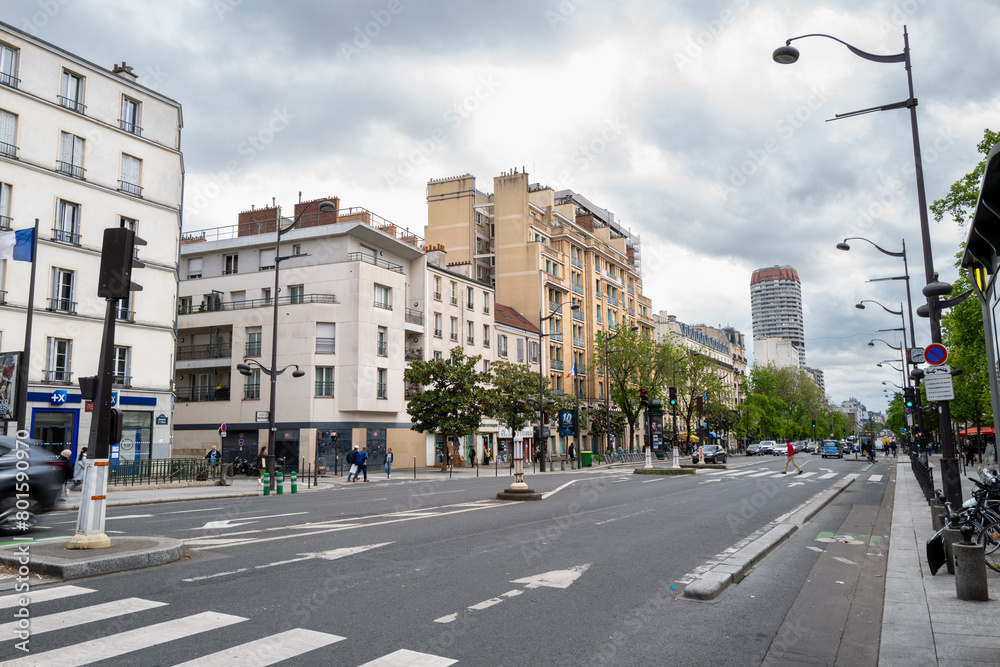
pixel 853 475
pixel 827 475
pixel 844 560
pixel 218 574
pixel 742 472
pixel 269 650
pixel 205 509
pixel 406 658
pixel 332 554
pixel 242 521
pixel 796 484
pixel 557 489
pixel 129 516
pixel 513 594
pixel 709 481
pixel 129 641
pixel 43 595
pixel 446 619
pixel 875 478
pixel 437 493
pixel 73 617
pixel 648 481
pixel 485 604
pixel 815 549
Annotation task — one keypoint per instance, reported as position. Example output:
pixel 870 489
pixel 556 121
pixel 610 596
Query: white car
pixel 767 447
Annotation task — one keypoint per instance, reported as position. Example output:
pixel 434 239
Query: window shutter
pixel 8 124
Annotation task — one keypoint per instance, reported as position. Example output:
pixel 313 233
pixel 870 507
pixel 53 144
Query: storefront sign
pixel 58 397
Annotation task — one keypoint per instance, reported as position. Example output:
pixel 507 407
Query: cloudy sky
pixel 670 113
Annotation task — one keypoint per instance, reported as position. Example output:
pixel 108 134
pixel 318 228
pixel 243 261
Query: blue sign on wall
pixel 566 423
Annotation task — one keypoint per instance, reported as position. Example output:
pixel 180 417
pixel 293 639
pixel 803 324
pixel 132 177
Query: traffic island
pixel 519 494
pixel 125 553
pixel 663 471
pixel 703 466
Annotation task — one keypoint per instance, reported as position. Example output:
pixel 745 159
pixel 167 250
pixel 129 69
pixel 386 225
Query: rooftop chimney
pixel 125 71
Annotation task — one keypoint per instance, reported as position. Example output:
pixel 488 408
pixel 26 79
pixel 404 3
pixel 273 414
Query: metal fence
pixel 924 475
pixel 162 471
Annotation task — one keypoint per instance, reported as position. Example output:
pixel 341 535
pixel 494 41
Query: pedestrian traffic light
pixel 672 392
pixel 644 398
pixel 117 263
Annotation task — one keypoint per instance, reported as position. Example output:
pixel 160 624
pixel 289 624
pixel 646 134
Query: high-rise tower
pixel 776 308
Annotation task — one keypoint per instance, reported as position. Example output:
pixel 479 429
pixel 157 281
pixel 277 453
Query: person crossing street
pixel 790 457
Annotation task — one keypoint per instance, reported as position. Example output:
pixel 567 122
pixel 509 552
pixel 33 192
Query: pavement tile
pixel 906 657
pixel 990 641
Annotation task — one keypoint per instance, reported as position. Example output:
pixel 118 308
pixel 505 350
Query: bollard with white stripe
pixel 280 477
pixel 266 480
pixel 295 487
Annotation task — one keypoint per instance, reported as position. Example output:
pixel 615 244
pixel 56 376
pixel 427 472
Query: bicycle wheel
pixel 990 539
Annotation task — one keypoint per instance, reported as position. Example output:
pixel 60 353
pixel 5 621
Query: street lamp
pixel 950 474
pixel 543 444
pixel 607 382
pixel 906 274
pixel 326 207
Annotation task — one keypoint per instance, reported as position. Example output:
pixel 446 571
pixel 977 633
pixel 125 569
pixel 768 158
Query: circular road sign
pixel 935 354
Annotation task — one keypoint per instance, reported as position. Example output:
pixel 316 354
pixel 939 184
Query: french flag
pixel 17 245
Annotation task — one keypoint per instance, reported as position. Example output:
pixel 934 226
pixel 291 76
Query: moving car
pixel 712 454
pixel 39 486
pixel 781 449
pixel 754 449
pixel 812 447
pixel 832 448
pixel 767 447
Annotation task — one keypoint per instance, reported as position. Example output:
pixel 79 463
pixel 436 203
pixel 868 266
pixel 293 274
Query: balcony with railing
pixel 70 169
pixel 556 337
pixel 471 340
pixel 9 80
pixel 65 236
pixel 368 259
pixel 381 390
pixel 56 375
pixel 486 341
pixel 381 348
pixel 8 150
pixel 121 380
pixel 578 263
pixel 59 305
pixel 324 389
pixel 410 390
pixel 251 391
pixel 579 342
pixel 205 351
pixel 414 316
pixel 3 297
pixel 220 305
pixel 385 305
pixel 326 345
pixel 454 336
pixel 124 314
pixel 613 301
pixel 252 348
pixel 454 300
pixel 578 315
pixel 130 188
pixel 130 127
pixel 578 289
pixel 438 333
pixel 414 353
pixel 556 364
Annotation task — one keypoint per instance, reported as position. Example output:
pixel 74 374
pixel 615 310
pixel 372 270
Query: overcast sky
pixel 669 113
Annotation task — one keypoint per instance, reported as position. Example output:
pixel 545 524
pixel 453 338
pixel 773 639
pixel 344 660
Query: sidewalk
pixel 923 622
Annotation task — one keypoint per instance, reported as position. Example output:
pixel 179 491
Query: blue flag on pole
pixel 17 245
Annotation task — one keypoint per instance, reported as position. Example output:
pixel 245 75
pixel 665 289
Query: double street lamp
pixel 245 369
pixel 543 443
pixel 787 54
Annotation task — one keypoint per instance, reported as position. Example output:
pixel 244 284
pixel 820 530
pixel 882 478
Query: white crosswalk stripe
pixel 68 619
pixel 406 658
pixel 806 474
pixel 43 595
pixel 875 478
pixel 269 650
pixel 828 475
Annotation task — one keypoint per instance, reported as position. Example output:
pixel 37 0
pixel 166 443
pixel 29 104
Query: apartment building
pixel 545 251
pixel 358 299
pixel 83 149
pixel 776 309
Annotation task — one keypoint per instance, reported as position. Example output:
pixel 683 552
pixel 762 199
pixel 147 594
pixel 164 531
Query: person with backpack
pixel 360 459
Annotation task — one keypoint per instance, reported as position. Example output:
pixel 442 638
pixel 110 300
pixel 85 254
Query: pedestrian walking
pixel 790 457
pixel 361 459
pixel 260 462
pixel 572 455
pixel 67 456
pixel 472 457
pixel 78 470
pixel 388 463
pixel 352 459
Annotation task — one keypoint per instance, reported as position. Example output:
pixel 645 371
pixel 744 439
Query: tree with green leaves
pixel 962 197
pixel 453 399
pixel 508 399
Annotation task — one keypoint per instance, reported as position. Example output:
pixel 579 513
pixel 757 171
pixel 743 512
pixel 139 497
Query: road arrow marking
pixel 553 579
pixel 225 523
pixel 332 554
pixel 557 490
pixel 844 560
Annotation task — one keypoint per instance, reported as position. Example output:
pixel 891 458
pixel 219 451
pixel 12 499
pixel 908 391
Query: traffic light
pixel 644 398
pixel 908 396
pixel 115 427
pixel 814 423
pixel 117 263
pixel 672 393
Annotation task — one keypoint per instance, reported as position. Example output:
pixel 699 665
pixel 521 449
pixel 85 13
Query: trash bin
pixel 585 458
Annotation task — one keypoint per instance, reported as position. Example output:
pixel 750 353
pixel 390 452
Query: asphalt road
pixel 433 572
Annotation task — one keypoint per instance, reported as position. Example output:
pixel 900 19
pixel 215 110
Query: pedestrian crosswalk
pixel 791 475
pixel 260 652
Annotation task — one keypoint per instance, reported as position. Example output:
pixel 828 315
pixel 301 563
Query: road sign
pixel 935 354
pixel 938 384
pixel 916 355
pixel 263 416
pixel 222 429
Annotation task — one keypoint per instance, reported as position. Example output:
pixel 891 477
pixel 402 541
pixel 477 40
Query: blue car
pixel 832 448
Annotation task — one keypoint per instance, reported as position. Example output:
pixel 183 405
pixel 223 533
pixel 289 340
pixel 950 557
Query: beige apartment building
pixel 544 251
pixel 84 148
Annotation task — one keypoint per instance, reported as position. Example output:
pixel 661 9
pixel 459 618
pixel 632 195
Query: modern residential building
pixel 545 251
pixel 776 310
pixel 84 149
pixel 517 343
pixel 359 298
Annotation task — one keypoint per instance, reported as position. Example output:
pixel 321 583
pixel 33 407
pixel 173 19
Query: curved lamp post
pixel 543 442
pixel 325 206
pixel 787 54
pixel 607 382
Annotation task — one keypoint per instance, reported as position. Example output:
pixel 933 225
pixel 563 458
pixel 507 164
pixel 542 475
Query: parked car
pixel 46 473
pixel 812 447
pixel 800 446
pixel 754 449
pixel 832 448
pixel 712 454
pixel 767 447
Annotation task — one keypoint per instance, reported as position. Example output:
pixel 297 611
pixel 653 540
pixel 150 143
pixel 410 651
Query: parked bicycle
pixel 981 512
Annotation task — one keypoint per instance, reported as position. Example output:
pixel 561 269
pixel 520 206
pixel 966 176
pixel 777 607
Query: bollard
pixel 266 479
pixel 970 566
pixel 937 515
pixel 295 487
pixel 280 478
pixel 951 536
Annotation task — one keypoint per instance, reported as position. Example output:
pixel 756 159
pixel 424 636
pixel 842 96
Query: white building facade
pixel 83 149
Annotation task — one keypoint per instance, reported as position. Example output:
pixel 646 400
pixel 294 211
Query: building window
pixel 502 345
pixel 232 265
pixel 8 134
pixel 469 298
pixel 454 328
pixel 194 268
pixel 121 366
pixel 486 303
pixel 129 183
pixel 251 386
pixel 253 343
pixel 486 335
pixel 67 227
pixel 184 305
pixel 324 382
pixel 437 355
pixel 297 249
pixel 123 310
pixel 381 342
pixel 70 155
pixel 533 352
pixel 454 294
pixel 437 325
pixel 296 293
pixel 266 259
pixel 265 294
pixel 8 66
pixel 470 334
pixel 437 288
pixel 383 297
pixel 486 365
pixel 326 338
pixel 381 387
pixel 520 349
pixel 71 92
pixel 130 116
pixel 59 360
pixel 63 291
pixel 5 220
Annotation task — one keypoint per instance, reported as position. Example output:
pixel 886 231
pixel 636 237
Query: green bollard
pixel 295 486
pixel 266 479
pixel 280 477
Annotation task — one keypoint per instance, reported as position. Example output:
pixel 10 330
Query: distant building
pixel 776 310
